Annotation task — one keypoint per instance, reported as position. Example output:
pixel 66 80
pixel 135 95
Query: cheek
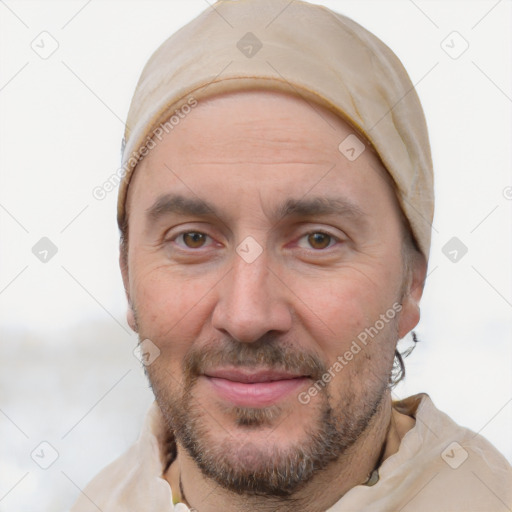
pixel 337 311
pixel 340 309
pixel 171 311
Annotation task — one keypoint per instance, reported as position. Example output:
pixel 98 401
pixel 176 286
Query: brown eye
pixel 194 240
pixel 319 240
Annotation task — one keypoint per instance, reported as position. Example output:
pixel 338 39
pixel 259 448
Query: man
pixel 275 213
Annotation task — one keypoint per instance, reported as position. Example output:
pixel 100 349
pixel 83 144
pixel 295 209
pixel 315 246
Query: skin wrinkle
pixel 167 205
pixel 288 455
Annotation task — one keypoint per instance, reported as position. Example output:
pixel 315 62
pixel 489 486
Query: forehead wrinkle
pixel 247 142
pixel 322 163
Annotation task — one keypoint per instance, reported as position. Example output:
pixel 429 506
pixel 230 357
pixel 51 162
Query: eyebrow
pixel 180 205
pixel 309 207
pixel 168 204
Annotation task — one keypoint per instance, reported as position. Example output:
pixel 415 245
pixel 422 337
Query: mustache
pixel 269 352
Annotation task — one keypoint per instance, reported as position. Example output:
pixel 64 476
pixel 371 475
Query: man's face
pixel 258 255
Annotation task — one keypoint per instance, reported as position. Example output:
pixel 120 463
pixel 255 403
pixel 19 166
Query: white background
pixel 67 372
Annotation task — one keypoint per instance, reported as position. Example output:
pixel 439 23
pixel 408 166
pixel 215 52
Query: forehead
pixel 260 143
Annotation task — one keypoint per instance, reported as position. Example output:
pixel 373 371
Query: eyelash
pixel 333 240
pixel 189 233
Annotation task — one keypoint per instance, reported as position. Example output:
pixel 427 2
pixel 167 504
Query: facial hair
pixel 243 466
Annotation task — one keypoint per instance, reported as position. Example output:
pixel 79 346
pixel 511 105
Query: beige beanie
pixel 293 47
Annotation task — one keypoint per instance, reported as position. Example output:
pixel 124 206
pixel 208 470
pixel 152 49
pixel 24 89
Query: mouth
pixel 253 388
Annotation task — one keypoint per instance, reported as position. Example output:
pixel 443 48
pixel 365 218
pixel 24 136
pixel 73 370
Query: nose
pixel 252 302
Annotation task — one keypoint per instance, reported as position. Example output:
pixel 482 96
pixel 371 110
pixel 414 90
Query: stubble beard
pixel 242 466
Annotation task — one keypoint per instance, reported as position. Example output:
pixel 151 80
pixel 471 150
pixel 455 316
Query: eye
pixel 192 239
pixel 317 240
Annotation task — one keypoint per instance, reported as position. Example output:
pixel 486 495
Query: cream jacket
pixel 439 467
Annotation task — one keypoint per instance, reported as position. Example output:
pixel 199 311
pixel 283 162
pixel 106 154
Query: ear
pixel 130 314
pixel 410 315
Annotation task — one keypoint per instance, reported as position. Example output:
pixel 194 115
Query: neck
pixel 379 441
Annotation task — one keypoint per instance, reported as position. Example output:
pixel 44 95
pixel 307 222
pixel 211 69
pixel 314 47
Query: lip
pixel 250 388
